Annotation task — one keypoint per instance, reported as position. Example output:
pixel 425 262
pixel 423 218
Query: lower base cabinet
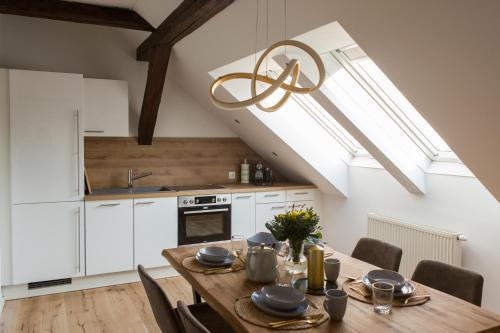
pixel 47 241
pixel 109 236
pixel 155 229
pixel 265 213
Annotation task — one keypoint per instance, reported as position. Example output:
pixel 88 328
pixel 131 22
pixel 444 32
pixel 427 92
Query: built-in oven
pixel 204 218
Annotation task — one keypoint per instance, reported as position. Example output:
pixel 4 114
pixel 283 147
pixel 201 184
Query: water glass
pixel 284 277
pixel 383 294
pixel 238 243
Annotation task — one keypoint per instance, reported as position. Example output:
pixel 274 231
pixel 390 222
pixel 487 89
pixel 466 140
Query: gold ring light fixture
pixel 292 69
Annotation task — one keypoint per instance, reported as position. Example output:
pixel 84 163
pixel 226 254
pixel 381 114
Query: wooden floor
pixel 122 308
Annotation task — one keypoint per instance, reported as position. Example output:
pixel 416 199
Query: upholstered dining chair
pixel 167 317
pixel 378 253
pixel 455 281
pixel 190 323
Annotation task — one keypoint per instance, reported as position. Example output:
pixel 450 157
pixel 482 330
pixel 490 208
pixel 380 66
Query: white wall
pixel 102 52
pixel 460 204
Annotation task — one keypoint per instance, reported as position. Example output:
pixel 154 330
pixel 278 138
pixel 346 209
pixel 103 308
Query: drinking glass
pixel 238 244
pixel 383 294
pixel 283 276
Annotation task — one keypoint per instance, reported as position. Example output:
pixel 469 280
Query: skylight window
pixel 368 77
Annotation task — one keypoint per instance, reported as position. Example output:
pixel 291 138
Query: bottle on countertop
pixel 245 172
pixel 259 174
pixel 268 176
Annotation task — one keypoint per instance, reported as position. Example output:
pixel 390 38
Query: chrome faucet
pixel 131 177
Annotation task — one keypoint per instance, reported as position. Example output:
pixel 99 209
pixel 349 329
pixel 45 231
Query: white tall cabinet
pixel 46 144
pixel 48 241
pixel 46 136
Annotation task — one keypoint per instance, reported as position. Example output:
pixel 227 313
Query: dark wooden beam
pixel 152 95
pixel 76 12
pixel 186 18
pixel 189 16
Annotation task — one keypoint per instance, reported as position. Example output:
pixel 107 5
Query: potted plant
pixel 295 226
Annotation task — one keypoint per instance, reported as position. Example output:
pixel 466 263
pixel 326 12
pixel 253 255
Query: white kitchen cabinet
pixel 46 136
pixel 243 214
pixel 47 241
pixel 300 195
pixel 155 229
pixel 265 213
pixel 109 236
pixel 299 205
pixel 106 108
pixel 268 197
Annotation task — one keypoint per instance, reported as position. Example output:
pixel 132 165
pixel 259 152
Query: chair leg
pixel 196 297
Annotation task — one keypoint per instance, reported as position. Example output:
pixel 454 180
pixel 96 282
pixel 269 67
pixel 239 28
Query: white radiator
pixel 417 242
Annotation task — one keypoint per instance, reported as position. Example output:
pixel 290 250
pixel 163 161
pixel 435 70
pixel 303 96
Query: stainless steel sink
pixel 133 190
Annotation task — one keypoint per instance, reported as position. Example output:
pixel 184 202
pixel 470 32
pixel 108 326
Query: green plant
pixel 295 225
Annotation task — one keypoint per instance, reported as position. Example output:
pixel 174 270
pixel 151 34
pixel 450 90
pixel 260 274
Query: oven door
pixel 204 224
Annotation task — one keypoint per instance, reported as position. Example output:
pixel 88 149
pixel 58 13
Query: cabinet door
pixel 298 205
pixel 106 108
pixel 265 213
pixel 47 241
pixel 155 229
pixel 46 137
pixel 109 236
pixel 243 214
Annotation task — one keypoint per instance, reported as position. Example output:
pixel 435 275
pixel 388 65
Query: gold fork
pixel 306 320
pixel 412 298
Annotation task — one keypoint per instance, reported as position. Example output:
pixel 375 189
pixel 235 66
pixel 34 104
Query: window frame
pixel 393 111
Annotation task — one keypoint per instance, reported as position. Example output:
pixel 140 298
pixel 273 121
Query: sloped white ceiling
pixel 442 55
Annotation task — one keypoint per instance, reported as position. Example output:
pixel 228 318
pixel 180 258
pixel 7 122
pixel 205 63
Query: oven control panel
pixel 204 200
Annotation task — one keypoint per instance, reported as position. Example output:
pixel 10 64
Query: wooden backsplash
pixel 173 161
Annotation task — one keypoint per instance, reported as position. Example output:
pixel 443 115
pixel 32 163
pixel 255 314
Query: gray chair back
pixel 165 315
pixel 378 253
pixel 190 323
pixel 455 281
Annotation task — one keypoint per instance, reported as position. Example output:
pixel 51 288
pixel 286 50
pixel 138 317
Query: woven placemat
pixel 246 310
pixel 419 290
pixel 191 264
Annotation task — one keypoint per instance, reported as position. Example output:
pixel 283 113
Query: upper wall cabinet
pixel 46 136
pixel 106 108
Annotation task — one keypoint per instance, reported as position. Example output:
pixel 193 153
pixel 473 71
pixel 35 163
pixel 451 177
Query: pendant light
pixel 292 69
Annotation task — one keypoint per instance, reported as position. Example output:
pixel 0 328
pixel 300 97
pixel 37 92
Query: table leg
pixel 196 297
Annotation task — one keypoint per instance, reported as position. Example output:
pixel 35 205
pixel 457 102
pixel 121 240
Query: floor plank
pixel 121 308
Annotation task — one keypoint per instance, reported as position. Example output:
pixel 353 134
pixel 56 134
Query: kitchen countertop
pixel 230 188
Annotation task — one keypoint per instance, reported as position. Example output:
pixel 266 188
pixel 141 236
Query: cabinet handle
pixel 109 205
pixel 278 207
pixel 301 193
pixel 271 195
pixel 94 131
pixel 78 152
pixel 145 203
pixel 78 240
pixel 244 197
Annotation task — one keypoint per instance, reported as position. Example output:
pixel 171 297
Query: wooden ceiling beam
pixel 185 19
pixel 157 72
pixel 76 12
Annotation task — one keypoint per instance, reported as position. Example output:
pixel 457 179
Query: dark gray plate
pixel 387 276
pixel 406 290
pixel 214 254
pixel 258 300
pixel 227 262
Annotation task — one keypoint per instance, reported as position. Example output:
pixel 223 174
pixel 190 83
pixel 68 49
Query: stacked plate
pixel 402 287
pixel 215 256
pixel 280 301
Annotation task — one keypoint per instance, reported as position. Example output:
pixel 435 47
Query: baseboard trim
pixel 81 283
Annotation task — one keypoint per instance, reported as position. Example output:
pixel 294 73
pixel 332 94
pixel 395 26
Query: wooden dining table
pixel 442 313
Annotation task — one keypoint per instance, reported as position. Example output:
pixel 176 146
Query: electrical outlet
pixel 232 175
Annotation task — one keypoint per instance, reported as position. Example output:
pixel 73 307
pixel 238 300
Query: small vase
pixel 296 262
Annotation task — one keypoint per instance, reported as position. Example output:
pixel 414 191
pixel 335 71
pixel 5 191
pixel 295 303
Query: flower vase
pixel 296 262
